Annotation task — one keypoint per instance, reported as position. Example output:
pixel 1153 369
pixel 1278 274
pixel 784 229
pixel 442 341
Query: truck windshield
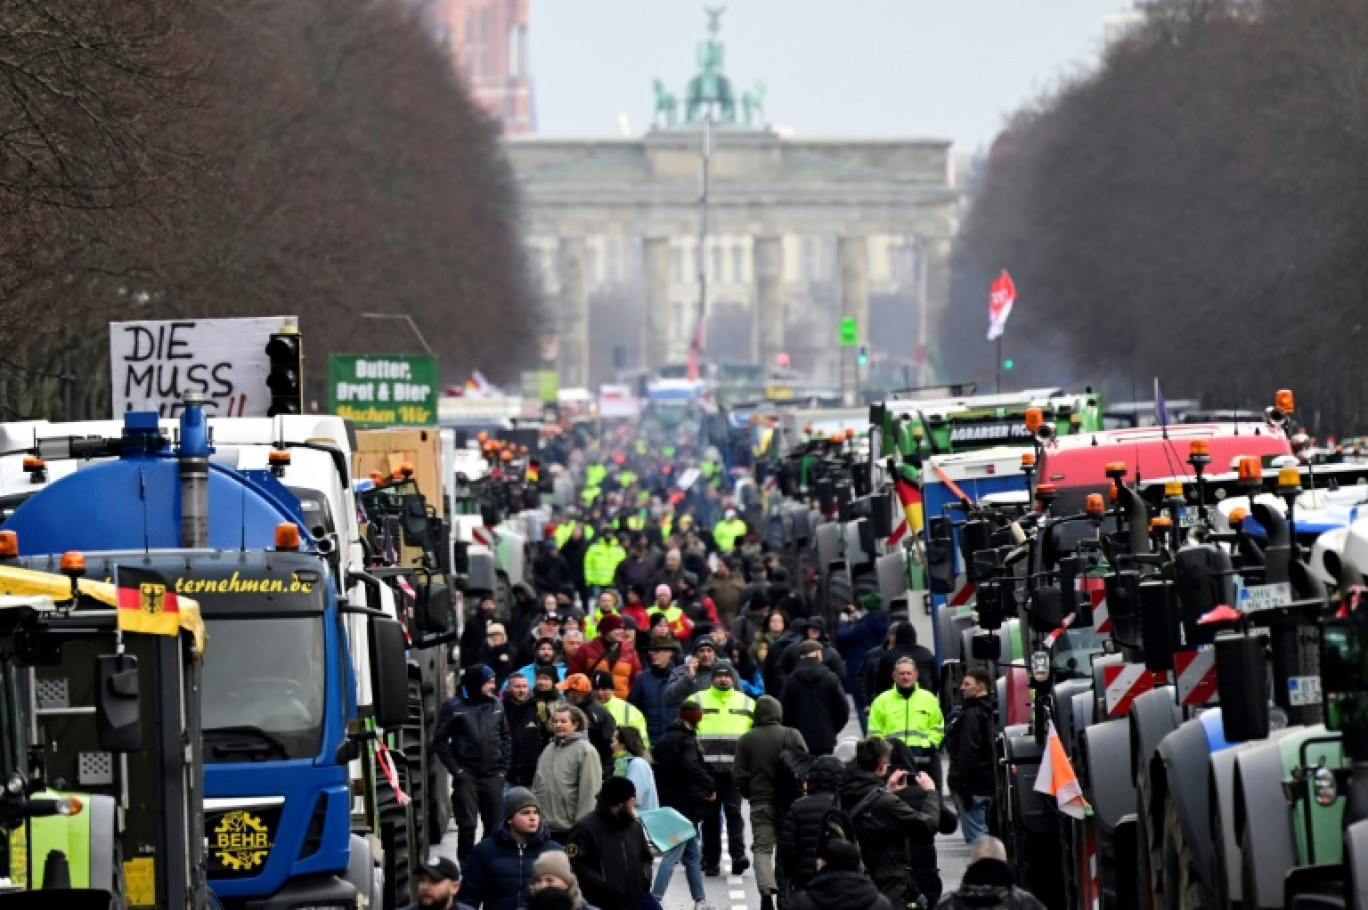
pixel 263 687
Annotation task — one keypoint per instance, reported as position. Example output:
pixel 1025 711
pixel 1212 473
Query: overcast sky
pixel 944 68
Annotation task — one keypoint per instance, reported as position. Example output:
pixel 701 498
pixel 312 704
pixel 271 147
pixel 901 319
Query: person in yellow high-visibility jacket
pixel 910 714
pixel 727 714
pixel 728 531
pixel 625 714
pixel 601 560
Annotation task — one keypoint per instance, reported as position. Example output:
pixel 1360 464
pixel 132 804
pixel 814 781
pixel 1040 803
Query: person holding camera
pixel 884 823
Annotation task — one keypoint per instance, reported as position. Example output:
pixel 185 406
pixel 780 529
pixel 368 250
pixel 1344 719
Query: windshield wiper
pixel 252 741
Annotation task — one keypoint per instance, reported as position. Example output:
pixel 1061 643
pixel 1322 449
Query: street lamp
pixel 407 318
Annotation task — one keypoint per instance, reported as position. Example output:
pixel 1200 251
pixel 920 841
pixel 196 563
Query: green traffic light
pixel 1008 364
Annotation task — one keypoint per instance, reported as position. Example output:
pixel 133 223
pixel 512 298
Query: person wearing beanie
pixel 681 626
pixel 814 701
pixel 839 884
pixel 623 712
pixel 807 824
pixel 683 783
pixel 727 715
pixel 857 640
pixel 474 743
pixel 554 886
pixel 544 654
pixel 498 873
pixel 694 675
pixel 609 652
pixel 608 850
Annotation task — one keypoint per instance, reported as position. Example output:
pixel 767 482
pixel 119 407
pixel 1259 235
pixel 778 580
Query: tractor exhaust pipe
pixel 194 472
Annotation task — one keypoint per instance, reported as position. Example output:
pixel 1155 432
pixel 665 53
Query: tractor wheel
pixel 1183 890
pixel 1148 869
pixel 397 837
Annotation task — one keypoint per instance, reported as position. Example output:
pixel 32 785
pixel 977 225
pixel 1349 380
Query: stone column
pixel 852 259
pixel 933 295
pixel 656 265
pixel 573 349
pixel 768 258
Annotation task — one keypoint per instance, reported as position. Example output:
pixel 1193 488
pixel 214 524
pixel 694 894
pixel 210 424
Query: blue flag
pixel 1161 411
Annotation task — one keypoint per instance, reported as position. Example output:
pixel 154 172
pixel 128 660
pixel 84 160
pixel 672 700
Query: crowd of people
pixel 663 667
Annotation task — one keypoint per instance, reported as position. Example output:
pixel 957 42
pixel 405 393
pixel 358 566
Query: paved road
pixel 738 892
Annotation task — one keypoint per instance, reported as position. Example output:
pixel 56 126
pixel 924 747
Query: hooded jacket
pixel 757 751
pixel 905 645
pixel 831 658
pixel 816 705
pixel 498 871
pixel 528 738
pixel 988 885
pixel 772 671
pixel 618 659
pixel 569 774
pixel 800 836
pixel 883 828
pixel 840 891
pixel 472 735
pixel 683 780
pixel 859 638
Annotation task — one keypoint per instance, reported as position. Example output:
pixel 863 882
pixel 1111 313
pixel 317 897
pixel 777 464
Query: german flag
pixel 909 494
pixel 533 472
pixel 146 603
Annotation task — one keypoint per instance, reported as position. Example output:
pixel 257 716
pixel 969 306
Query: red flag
pixel 1000 302
pixel 146 603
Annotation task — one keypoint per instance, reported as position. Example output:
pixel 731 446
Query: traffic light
pixel 286 378
pixel 1008 364
pixel 864 355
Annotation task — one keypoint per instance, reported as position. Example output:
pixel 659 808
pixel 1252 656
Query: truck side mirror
pixel 1047 609
pixel 117 703
pixel 985 647
pixel 990 604
pixel 388 673
pixel 940 558
pixel 1158 625
pixel 1242 684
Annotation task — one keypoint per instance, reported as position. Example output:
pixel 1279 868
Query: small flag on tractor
pixel 146 603
pixel 1056 778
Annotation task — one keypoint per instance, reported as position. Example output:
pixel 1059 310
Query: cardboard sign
pixel 152 364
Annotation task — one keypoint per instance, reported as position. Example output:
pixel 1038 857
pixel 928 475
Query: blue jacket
pixel 648 695
pixel 498 871
pixel 858 639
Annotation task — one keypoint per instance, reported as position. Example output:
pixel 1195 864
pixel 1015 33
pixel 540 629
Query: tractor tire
pixel 1148 869
pixel 397 837
pixel 1183 890
pixel 1222 896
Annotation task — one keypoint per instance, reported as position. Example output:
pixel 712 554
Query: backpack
pixel 837 825
pixel 794 764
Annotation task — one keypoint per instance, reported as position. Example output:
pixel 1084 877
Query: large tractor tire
pixel 397 838
pixel 1148 868
pixel 1183 890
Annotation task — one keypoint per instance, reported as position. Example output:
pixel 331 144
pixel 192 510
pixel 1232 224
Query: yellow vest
pixel 626 715
pixel 726 532
pixel 726 716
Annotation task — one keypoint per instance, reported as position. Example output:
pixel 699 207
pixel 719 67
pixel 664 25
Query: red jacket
pixel 594 656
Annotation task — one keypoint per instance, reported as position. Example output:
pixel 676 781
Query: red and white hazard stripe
pixel 483 536
pixel 1123 683
pixel 1094 587
pixel 1195 676
pixel 964 591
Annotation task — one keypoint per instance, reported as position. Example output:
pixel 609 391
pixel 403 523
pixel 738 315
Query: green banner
pixel 384 390
pixel 850 332
pixel 541 385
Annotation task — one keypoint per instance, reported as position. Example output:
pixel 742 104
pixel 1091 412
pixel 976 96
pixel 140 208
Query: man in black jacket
pixel 805 826
pixel 883 822
pixel 905 645
pixel 608 849
pixel 473 742
pixel 969 744
pixel 813 700
pixel 814 629
pixel 840 885
pixel 683 783
pixel 526 729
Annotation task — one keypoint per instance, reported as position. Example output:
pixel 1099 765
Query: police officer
pixel 727 714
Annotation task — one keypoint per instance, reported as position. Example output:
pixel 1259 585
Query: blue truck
pixel 284 726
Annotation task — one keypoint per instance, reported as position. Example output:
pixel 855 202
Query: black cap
pixel 438 868
pixel 602 679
